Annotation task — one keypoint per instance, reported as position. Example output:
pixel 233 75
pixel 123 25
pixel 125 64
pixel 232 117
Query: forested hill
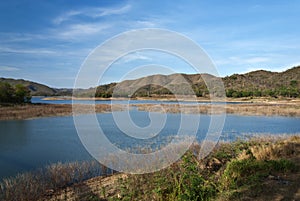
pixel 37 89
pixel 264 83
pixel 256 83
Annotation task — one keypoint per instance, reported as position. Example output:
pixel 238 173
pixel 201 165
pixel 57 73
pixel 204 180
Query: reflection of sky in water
pixel 29 144
pixel 40 100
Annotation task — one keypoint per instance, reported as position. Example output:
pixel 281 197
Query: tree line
pixel 291 92
pixel 280 92
pixel 14 94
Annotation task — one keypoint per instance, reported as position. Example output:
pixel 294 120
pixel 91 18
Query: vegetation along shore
pixel 28 111
pixel 267 109
pixel 261 168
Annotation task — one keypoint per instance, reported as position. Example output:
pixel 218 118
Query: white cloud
pixel 248 60
pixel 146 23
pixel 115 11
pixel 77 30
pixel 25 51
pixel 8 68
pixel 91 12
pixel 65 17
pixel 11 37
pixel 255 60
pixel 133 57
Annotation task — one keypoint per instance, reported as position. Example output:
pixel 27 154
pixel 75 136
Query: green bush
pixel 17 94
pixel 180 181
pixel 250 171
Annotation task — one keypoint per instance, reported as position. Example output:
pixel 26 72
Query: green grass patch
pixel 248 174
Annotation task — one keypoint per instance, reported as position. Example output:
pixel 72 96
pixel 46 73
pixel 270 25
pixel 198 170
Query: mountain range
pixel 255 83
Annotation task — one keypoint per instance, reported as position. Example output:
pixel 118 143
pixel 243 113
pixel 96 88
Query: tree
pixel 22 94
pixel 17 94
pixel 294 83
pixel 6 92
pixel 229 92
pixel 257 93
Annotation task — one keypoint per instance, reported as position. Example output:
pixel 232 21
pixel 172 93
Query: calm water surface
pixel 30 144
pixel 38 99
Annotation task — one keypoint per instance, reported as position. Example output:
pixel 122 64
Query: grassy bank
pixel 266 109
pixel 43 182
pixel 258 169
pixel 265 168
pixel 27 111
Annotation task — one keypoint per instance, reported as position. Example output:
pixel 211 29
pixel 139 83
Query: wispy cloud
pixel 91 12
pixel 66 16
pixel 15 37
pixel 146 23
pixel 240 60
pixel 25 51
pixel 77 30
pixel 249 60
pixel 115 11
pixel 255 60
pixel 135 56
pixel 8 68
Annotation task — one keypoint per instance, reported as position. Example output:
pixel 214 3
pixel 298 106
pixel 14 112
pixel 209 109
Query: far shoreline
pixel 257 107
pixel 182 99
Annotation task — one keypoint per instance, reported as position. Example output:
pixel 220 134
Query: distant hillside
pixel 264 83
pixel 256 83
pixel 37 89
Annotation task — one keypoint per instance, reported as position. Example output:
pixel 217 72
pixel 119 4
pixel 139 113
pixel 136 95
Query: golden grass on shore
pixel 29 111
pixel 265 109
pixel 271 108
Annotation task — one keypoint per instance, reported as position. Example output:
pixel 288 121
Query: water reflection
pixel 30 144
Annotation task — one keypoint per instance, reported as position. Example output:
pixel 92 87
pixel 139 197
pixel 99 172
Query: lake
pixel 40 99
pixel 30 144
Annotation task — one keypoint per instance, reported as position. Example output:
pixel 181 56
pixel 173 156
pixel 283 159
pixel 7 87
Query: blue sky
pixel 47 41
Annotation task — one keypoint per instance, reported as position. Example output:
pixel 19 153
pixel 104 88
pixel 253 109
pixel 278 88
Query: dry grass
pixel 34 185
pixel 269 150
pixel 98 188
pixel 68 181
pixel 46 110
pixel 266 109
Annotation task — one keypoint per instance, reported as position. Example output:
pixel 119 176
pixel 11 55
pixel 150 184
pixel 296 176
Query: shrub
pixel 180 181
pixel 17 94
pixel 251 171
